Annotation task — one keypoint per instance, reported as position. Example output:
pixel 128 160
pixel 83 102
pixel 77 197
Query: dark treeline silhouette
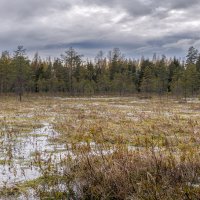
pixel 113 74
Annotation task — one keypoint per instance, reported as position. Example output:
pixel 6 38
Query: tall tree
pixel 148 81
pixel 6 72
pixel 21 69
pixel 72 60
pixel 192 56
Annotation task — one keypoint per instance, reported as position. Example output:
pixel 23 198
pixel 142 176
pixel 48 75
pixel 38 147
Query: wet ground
pixel 18 152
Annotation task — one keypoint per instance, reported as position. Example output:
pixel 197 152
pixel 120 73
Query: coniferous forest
pixel 109 73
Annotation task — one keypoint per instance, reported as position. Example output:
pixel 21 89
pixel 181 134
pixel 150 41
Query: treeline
pixel 113 74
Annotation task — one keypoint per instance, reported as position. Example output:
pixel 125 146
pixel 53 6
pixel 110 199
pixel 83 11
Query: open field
pixel 99 148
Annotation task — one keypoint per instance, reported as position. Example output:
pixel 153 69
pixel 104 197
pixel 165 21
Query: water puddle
pixel 18 155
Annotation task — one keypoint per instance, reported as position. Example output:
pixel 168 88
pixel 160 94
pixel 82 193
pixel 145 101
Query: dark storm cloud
pixel 137 26
pixel 23 9
pixel 180 4
pixel 83 44
pixel 136 7
pixel 144 7
pixel 89 44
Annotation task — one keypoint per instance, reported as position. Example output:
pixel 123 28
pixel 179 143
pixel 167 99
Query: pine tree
pixel 21 69
pixel 72 60
pixel 192 56
pixel 148 81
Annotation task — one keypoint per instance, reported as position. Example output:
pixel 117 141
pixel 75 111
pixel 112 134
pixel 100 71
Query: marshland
pixel 102 102
pixel 112 129
pixel 99 148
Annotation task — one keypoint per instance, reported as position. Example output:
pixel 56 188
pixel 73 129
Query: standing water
pixel 18 155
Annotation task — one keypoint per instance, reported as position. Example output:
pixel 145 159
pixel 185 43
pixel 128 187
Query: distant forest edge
pixel 113 74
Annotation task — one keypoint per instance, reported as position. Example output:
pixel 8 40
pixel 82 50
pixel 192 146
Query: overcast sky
pixel 137 27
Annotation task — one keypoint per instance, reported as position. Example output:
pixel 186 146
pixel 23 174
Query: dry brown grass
pixel 118 148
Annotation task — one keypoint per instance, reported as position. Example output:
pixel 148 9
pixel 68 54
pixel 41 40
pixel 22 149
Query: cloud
pixel 138 27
